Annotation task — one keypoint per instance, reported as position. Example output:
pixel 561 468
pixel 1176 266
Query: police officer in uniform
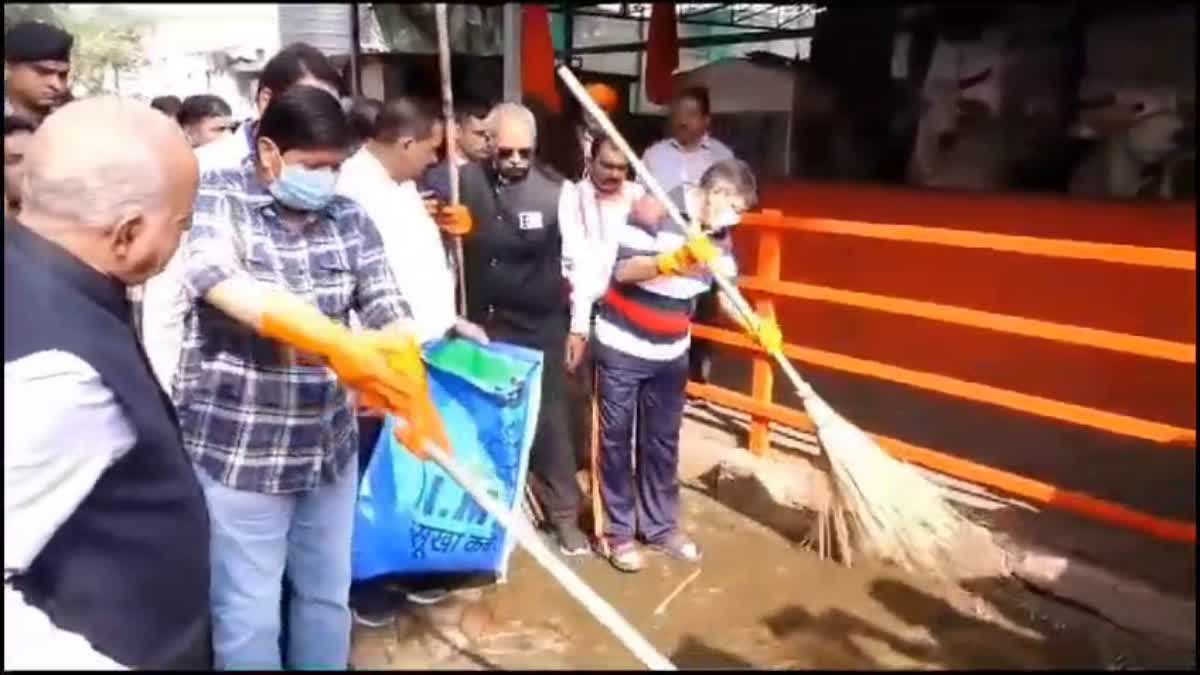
pixel 516 290
pixel 37 62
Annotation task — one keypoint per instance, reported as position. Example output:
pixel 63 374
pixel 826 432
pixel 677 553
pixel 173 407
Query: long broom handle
pixel 443 33
pixel 803 388
pixel 576 587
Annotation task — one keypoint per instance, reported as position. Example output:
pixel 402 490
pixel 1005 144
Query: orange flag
pixel 662 52
pixel 537 57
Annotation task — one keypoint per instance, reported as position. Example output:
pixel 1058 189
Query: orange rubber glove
pixel 422 424
pixel 697 250
pixel 385 368
pixel 295 323
pixel 453 219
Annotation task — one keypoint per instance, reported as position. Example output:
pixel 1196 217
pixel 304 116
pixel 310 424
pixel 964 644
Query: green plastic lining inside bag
pixel 487 370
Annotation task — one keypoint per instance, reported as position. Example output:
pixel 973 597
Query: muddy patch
pixel 761 601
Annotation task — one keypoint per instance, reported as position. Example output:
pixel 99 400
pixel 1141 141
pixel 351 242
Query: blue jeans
pixel 255 537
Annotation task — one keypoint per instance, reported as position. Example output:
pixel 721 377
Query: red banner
pixel 662 52
pixel 537 57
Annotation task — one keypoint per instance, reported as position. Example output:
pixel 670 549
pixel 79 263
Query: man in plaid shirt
pixel 275 262
pixel 251 420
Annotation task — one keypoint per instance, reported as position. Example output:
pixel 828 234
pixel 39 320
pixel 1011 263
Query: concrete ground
pixel 760 601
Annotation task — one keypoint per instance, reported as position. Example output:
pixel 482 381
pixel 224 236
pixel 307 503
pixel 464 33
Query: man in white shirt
pixel 381 178
pixel 690 151
pixel 590 214
pixel 681 160
pixel 164 303
pixel 400 146
pixel 590 211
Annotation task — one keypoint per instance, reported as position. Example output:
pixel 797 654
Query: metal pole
pixel 765 35
pixel 355 40
pixel 512 52
pixel 568 32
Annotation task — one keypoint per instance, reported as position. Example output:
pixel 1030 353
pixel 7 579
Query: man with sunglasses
pixel 514 264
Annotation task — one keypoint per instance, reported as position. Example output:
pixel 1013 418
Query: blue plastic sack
pixel 411 516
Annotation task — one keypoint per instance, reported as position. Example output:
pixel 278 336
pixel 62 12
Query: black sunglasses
pixel 505 153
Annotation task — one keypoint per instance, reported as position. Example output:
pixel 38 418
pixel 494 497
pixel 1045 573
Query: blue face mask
pixel 304 189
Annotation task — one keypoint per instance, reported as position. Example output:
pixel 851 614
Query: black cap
pixel 31 41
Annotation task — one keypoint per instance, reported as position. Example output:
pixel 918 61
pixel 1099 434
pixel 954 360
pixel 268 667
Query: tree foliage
pixel 108 42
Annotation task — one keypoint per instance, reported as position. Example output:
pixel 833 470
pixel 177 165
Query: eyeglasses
pixel 505 153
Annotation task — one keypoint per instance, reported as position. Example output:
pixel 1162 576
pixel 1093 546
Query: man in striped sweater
pixel 642 335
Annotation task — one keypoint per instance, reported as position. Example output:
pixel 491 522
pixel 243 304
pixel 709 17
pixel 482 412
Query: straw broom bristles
pixel 882 505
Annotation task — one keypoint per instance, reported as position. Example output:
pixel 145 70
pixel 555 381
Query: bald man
pixel 106 532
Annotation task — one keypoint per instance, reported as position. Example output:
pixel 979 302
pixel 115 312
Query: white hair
pixel 97 166
pixel 507 111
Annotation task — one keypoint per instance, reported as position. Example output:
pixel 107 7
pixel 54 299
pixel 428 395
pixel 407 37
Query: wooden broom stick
pixel 443 32
pixel 594 472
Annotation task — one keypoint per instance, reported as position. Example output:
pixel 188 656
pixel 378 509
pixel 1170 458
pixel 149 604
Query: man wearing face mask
pixel 643 331
pixel 164 300
pixel 105 528
pixel 514 263
pixel 275 264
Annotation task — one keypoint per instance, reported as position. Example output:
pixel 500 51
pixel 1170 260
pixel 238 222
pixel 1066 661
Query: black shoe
pixel 571 540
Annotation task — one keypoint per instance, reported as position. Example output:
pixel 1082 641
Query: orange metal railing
pixel 769 287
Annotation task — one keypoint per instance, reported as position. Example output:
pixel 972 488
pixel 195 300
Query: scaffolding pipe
pixel 568 15
pixel 355 54
pixel 512 51
pixel 768 35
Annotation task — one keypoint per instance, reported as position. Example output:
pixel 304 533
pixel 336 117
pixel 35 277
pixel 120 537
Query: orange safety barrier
pixel 767 287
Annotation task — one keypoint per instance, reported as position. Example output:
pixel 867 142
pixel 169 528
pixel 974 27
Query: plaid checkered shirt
pixel 253 416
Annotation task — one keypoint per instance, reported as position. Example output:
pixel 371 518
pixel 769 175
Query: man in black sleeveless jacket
pixel 106 547
pixel 517 290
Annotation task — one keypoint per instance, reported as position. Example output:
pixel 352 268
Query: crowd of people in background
pixel 183 478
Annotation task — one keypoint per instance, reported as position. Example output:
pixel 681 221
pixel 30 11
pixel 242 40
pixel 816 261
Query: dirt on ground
pixel 761 600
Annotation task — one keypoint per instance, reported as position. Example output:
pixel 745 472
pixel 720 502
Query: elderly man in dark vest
pixel 106 546
pixel 518 289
